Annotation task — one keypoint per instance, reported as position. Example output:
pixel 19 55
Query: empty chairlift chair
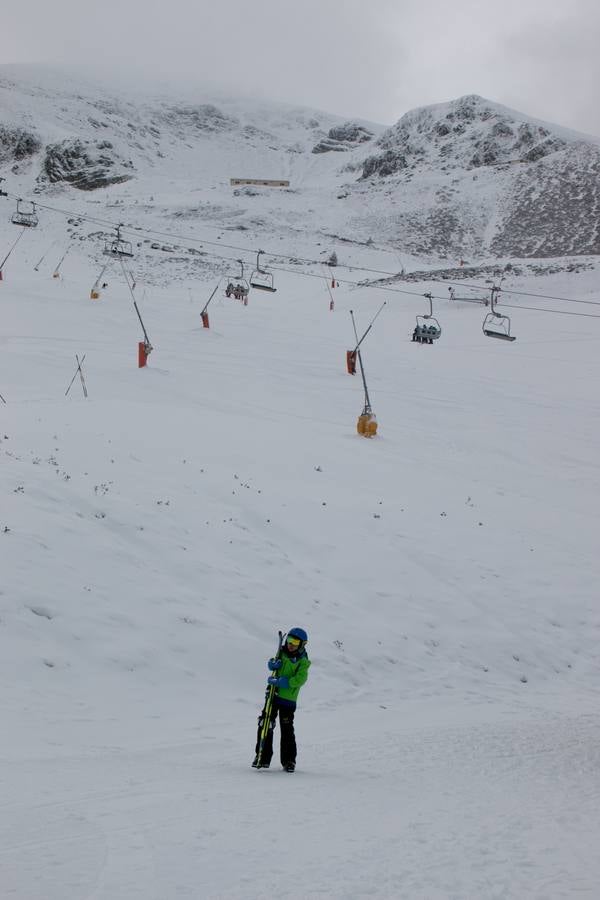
pixel 260 278
pixel 496 325
pixel 117 247
pixel 25 214
pixel 428 329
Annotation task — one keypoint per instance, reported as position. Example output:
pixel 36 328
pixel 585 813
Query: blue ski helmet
pixel 299 634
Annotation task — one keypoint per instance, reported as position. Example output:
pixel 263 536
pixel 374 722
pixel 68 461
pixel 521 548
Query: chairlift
pixel 496 325
pixel 117 247
pixel 25 216
pixel 237 286
pixel 260 278
pixel 428 329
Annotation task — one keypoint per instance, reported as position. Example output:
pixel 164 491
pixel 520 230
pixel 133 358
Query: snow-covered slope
pixel 156 534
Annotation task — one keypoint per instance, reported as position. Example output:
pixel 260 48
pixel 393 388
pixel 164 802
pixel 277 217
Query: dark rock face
pixel 17 144
pixel 470 132
pixel 343 137
pixel 205 118
pixel 387 163
pixel 86 165
pixel 472 178
pixel 350 131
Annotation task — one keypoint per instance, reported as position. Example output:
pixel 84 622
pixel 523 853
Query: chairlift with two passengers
pixel 496 325
pixel 117 247
pixel 428 329
pixel 237 286
pixel 260 278
pixel 25 215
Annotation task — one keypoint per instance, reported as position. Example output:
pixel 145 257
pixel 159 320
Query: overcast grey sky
pixel 373 59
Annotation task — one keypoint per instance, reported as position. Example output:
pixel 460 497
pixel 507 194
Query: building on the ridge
pixel 261 182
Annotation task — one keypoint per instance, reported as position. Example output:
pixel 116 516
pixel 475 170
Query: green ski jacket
pixel 296 671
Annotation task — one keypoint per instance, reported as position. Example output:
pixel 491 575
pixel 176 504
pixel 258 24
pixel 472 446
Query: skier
pixel 289 674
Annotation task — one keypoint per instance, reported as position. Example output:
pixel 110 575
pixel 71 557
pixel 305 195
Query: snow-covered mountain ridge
pixel 464 179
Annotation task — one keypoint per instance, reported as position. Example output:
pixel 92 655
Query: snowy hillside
pixel 471 178
pixel 156 534
pixel 468 179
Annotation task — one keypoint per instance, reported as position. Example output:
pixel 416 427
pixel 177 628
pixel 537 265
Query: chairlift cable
pixel 486 287
pixel 274 255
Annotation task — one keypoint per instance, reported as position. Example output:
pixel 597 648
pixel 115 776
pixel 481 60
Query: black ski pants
pixel 288 737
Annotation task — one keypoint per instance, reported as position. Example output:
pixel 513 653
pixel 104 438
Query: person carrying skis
pixel 289 672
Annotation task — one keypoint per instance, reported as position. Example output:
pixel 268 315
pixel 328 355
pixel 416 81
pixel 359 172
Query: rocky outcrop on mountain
pixel 468 133
pixel 471 177
pixel 387 163
pixel 342 138
pixel 86 165
pixel 205 118
pixel 17 144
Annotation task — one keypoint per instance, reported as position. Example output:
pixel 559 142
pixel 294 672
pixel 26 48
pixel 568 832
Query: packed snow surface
pixel 156 534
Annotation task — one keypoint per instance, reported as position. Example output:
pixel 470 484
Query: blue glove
pixel 281 682
pixel 274 664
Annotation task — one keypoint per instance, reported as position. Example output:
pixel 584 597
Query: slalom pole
pixel 268 709
pixel 78 371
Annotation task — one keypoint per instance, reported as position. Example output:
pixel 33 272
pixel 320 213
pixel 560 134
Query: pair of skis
pixel 271 691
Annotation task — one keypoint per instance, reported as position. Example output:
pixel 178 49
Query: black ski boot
pixel 257 765
pixel 289 767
